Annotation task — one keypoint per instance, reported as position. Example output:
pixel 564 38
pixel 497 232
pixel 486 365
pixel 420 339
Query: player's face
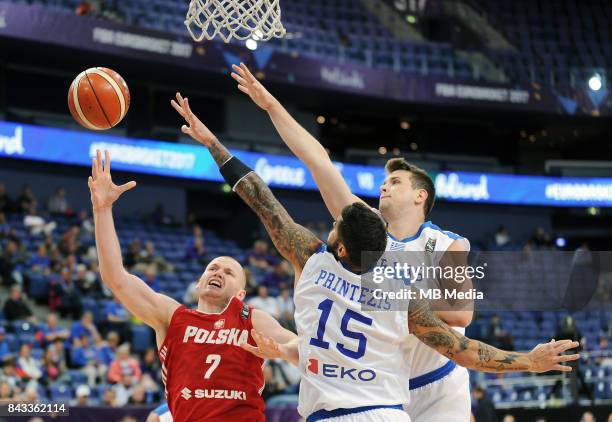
pixel 397 192
pixel 222 279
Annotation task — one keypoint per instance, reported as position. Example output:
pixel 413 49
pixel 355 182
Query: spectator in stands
pixel 251 282
pixel 5 201
pixel 509 418
pixel 498 337
pixel 138 396
pixel 82 394
pixel 26 199
pixel 109 398
pixel 541 239
pixel 5 228
pixel 86 281
pixel 30 394
pixel 85 327
pixel 281 276
pixel 501 238
pixel 65 295
pixel 587 417
pixel 286 308
pixel 191 294
pixel 150 363
pixel 58 204
pixel 40 262
pixel 122 363
pixel 273 384
pixel 132 254
pixel 9 374
pixel 264 302
pixel 56 260
pixel 5 351
pixel 118 319
pixel 50 370
pixel 260 256
pixel 482 407
pixel 12 263
pixel 37 224
pixel 124 388
pixel 107 350
pixel 150 277
pixel 6 391
pixel 59 355
pixel 196 252
pixel 159 216
pixel 52 331
pixel 70 243
pixel 30 367
pixel 604 359
pixel 16 306
pixel 149 257
pixel 85 358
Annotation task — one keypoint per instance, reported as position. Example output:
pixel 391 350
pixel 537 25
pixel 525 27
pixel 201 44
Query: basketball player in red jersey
pixel 208 376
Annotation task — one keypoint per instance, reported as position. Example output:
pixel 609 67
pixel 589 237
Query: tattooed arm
pixel 294 242
pixel 473 354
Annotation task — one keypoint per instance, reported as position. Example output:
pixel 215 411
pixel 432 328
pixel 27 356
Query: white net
pixel 241 19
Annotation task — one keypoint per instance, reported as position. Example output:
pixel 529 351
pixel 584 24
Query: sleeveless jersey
pixel 207 375
pixel 429 238
pixel 348 357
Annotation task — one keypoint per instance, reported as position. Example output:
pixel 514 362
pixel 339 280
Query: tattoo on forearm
pixel 293 241
pixel 485 352
pixel 219 153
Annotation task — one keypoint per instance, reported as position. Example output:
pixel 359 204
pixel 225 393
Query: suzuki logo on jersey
pixel 330 370
pixel 201 393
pixel 232 336
pixel 186 393
pixel 219 324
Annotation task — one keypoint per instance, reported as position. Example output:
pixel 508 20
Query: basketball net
pixel 240 19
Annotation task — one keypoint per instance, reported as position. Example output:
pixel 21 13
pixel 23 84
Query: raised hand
pixel 194 127
pixel 548 357
pixel 267 348
pixel 248 84
pixel 103 191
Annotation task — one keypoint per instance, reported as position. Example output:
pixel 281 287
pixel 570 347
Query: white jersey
pixel 429 238
pixel 349 358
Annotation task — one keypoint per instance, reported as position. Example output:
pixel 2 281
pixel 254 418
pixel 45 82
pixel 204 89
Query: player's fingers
pixel 98 162
pixel 188 109
pixel 244 89
pixel 239 79
pixel 127 186
pixel 106 161
pixel 249 348
pixel 247 73
pixel 238 69
pixel 179 98
pixel 185 129
pixel 177 107
pixel 567 358
pixel 566 345
pixel 562 368
pixel 90 182
pixel 93 168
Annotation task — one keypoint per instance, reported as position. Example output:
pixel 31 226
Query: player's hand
pixel 548 357
pixel 194 127
pixel 267 348
pixel 103 191
pixel 248 84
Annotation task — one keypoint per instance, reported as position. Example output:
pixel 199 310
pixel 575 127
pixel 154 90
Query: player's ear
pixel 421 196
pixel 241 294
pixel 341 251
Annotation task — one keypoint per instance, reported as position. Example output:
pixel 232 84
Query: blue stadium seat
pixel 60 392
pixel 142 338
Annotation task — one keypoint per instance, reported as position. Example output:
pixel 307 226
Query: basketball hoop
pixel 241 19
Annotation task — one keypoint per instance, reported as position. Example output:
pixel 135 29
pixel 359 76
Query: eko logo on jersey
pixel 330 370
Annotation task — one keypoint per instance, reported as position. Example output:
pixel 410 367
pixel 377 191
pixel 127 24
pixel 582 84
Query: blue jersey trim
pixel 322 249
pixel 432 226
pixel 326 414
pixel 162 409
pixel 432 376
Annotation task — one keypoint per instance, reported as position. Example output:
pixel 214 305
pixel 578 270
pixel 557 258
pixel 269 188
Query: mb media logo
pixel 186 393
pixel 329 370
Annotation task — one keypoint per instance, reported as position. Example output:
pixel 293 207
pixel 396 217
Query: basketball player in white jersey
pixel 351 361
pixel 407 196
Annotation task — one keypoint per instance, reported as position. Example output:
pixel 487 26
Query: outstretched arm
pixel 152 308
pixel 334 190
pixel 294 242
pixel 480 356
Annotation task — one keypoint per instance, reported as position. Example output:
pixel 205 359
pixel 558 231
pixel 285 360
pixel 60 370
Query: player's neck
pixel 211 307
pixel 405 224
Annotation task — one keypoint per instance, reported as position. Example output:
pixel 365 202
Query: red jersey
pixel 208 376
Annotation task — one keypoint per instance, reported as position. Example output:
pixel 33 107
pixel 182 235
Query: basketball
pixel 98 98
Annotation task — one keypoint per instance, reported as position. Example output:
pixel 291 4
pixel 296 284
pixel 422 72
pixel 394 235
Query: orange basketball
pixel 98 98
